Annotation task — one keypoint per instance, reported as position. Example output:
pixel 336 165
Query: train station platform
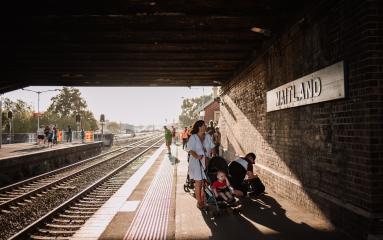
pixel 24 160
pixel 19 149
pixel 152 204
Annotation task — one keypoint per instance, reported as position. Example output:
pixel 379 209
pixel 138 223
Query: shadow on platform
pixel 263 218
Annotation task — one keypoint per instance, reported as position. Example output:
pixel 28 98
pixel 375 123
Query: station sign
pixel 323 85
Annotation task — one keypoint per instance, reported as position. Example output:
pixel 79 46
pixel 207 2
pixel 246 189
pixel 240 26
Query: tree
pixel 189 106
pixel 22 116
pixel 67 103
pixel 64 108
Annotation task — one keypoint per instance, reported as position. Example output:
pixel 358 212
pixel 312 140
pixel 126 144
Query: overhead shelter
pixel 136 43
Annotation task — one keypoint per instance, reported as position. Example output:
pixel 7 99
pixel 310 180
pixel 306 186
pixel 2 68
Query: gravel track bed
pixel 16 219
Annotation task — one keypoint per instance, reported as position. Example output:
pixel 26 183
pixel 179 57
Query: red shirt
pixel 218 184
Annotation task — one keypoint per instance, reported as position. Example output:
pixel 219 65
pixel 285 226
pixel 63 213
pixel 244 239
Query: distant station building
pixel 210 110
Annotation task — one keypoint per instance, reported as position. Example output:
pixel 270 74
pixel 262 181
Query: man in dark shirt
pixel 238 170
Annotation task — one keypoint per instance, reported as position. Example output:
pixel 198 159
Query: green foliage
pixel 61 113
pixel 67 103
pixel 189 106
pixel 22 116
pixel 64 108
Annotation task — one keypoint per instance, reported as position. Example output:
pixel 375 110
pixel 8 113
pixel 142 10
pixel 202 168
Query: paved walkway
pixel 266 217
pixel 152 204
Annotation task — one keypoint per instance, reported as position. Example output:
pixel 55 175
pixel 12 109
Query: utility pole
pixel 38 102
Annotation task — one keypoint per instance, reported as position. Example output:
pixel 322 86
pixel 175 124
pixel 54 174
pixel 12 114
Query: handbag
pixel 256 186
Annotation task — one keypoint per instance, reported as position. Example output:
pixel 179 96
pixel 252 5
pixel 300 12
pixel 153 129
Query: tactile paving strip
pixel 151 219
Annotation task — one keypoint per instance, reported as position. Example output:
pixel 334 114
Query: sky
pixel 133 105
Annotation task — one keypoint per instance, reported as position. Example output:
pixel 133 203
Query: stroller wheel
pixel 186 188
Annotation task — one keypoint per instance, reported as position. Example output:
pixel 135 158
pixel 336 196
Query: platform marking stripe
pixel 151 210
pixel 101 221
pixel 150 221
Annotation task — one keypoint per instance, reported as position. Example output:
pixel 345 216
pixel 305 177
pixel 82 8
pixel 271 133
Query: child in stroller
pixel 216 166
pixel 221 188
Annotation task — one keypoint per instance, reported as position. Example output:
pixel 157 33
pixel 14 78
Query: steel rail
pixel 38 177
pixel 49 185
pixel 25 233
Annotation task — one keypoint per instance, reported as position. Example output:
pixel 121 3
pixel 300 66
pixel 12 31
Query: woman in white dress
pixel 200 146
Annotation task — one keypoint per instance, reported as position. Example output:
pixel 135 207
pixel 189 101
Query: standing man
pixel 174 134
pixel 211 128
pixel 184 136
pixel 40 135
pixel 217 140
pixel 168 138
pixel 54 134
pixel 82 135
pixel 69 134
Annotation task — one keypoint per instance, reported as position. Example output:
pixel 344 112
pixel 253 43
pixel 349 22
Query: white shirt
pixel 40 131
pixel 195 144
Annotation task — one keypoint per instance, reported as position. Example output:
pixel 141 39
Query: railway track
pixel 17 192
pixel 34 197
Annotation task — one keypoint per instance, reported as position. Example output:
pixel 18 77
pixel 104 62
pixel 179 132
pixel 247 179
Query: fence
pixel 62 136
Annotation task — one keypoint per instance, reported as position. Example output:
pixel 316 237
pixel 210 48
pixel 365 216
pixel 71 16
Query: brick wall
pixel 326 157
pixel 209 111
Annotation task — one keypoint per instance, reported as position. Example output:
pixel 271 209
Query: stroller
pixel 215 164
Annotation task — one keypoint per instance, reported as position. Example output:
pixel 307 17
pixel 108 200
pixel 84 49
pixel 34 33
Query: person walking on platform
pixel 199 148
pixel 184 136
pixel 40 135
pixel 82 135
pixel 211 128
pixel 46 133
pixel 174 134
pixel 54 130
pixel 50 138
pixel 217 140
pixel 168 138
pixel 69 134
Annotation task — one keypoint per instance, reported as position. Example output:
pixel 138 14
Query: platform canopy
pixel 135 43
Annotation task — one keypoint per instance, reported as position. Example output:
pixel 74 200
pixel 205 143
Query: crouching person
pixel 239 169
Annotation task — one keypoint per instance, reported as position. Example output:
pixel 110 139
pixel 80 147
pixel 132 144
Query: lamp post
pixel 38 102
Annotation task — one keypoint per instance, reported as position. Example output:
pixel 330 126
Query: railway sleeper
pixel 68 221
pixel 67 233
pixel 73 216
pixel 116 185
pixel 79 212
pixel 85 205
pixel 63 226
pixel 4 199
pixel 66 187
pixel 100 194
pixel 84 208
pixel 48 238
pixel 21 191
pixel 97 197
pixel 27 188
pixel 105 190
pixel 12 194
pixel 93 201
